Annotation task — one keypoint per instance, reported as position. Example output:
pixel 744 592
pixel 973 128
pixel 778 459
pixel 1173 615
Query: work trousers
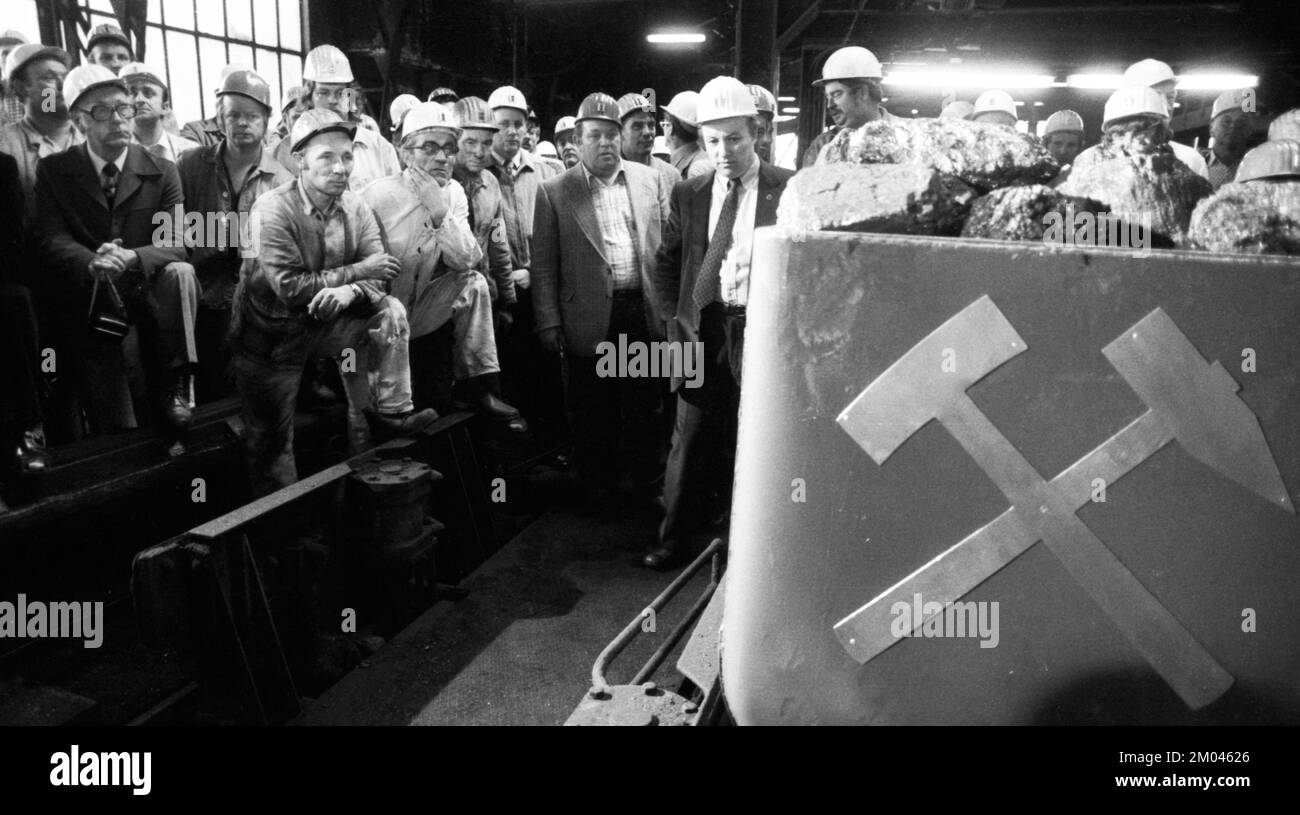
pixel 166 307
pixel 20 403
pixel 616 418
pixel 702 461
pixel 465 300
pixel 370 343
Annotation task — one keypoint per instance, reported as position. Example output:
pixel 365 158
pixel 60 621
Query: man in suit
pixel 702 274
pixel 596 230
pixel 96 205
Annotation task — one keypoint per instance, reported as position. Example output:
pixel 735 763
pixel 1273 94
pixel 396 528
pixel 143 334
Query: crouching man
pixel 315 287
pixel 424 216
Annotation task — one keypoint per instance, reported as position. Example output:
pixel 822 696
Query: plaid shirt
pixel 13 110
pixel 614 213
pixel 302 249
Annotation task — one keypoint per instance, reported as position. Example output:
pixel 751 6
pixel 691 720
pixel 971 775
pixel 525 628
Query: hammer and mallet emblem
pixel 1187 399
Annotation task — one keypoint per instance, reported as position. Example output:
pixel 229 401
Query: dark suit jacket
pixel 686 239
pixel 74 219
pixel 572 282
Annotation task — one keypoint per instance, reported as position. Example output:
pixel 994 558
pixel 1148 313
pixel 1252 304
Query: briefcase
pixel 107 317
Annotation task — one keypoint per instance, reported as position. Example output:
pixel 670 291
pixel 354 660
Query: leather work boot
pixel 480 395
pixel 178 398
pixel 402 424
pixel 29 453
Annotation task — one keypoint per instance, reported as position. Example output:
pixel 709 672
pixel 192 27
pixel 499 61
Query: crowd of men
pixel 229 257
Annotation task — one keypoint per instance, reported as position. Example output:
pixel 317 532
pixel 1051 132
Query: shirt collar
pixel 100 162
pixel 748 181
pixel 616 178
pixel 515 165
pixel 309 208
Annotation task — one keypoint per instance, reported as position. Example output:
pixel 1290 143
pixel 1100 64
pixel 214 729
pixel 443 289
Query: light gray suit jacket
pixel 573 284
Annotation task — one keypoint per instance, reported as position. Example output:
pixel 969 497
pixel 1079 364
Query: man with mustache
pixel 227 177
pixel 424 216
pixel 851 81
pixel 638 117
pixel 95 209
pixel 152 100
pixel 597 230
pixel 316 287
pixel 1234 130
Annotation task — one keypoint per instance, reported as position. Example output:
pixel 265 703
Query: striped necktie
pixel 708 285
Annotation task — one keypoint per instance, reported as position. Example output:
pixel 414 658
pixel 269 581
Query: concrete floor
pixel 519 648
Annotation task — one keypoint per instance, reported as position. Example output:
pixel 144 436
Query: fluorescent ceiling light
pixel 681 38
pixel 1216 82
pixel 967 79
pixel 785 98
pixel 1103 81
pixel 790 110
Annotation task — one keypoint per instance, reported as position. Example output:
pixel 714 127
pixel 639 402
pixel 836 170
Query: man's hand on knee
pixel 329 303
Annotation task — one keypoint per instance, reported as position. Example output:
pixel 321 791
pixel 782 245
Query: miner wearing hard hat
pixel 1063 136
pixel 424 217
pixel 294 103
pixel 225 179
pixel 564 142
pixel 98 206
pixel 35 74
pixel 1276 160
pixel 328 77
pixel 534 376
pixel 702 274
pixel 477 129
pixel 109 47
pixel 1157 75
pixel 683 135
pixel 208 131
pixel 12 108
pixel 637 113
pixel 765 103
pixel 397 110
pixel 597 230
pixel 995 107
pixel 1128 109
pixel 1235 128
pixel 443 96
pixel 152 100
pixel 851 82
pixel 316 287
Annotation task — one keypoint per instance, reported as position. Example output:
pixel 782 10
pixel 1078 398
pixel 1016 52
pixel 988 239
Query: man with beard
pixel 424 217
pixel 1234 130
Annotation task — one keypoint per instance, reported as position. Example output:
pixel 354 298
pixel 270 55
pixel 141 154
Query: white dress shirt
pixel 99 163
pixel 734 290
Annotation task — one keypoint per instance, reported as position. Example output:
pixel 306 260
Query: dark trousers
pixel 20 373
pixel 531 377
pixel 616 418
pixel 702 462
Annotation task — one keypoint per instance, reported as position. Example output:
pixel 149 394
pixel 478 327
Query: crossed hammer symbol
pixel 1187 398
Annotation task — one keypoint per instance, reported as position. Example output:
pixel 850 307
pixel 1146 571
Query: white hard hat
pixel 661 147
pixel 1148 72
pixel 325 63
pixel 546 149
pixel 1272 159
pixel 1285 126
pixel 564 125
pixel 851 62
pixel 1229 100
pixel 400 107
pixel 428 116
pixel 508 97
pixel 724 97
pixel 85 78
pixel 1063 121
pixel 140 72
pixel 27 52
pixel 683 107
pixel 764 101
pixel 959 109
pixel 994 100
pixel 316 121
pixel 13 37
pixel 1134 100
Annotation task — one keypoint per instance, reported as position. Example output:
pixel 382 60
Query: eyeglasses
pixel 102 113
pixel 432 148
